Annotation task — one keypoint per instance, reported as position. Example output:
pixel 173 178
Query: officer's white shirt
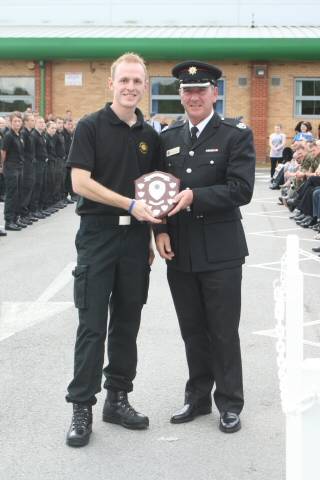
pixel 202 125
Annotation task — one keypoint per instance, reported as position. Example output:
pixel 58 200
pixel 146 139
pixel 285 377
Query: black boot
pixel 117 409
pixel 81 426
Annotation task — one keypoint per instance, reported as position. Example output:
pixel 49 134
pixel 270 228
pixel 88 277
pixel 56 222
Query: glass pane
pixel 218 107
pixel 317 107
pixel 221 87
pixel 11 106
pixel 17 86
pixel 167 106
pixel 317 88
pixel 164 86
pixel 307 87
pixel 308 107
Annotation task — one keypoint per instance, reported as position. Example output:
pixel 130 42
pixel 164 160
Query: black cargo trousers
pixel 112 271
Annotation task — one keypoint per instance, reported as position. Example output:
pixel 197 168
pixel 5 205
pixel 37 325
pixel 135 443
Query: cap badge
pixel 241 125
pixel 192 70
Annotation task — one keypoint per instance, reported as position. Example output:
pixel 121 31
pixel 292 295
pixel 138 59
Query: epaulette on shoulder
pixel 172 127
pixel 234 122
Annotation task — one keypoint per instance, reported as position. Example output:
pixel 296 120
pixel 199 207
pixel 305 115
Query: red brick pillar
pixel 259 109
pixel 48 88
pixel 37 86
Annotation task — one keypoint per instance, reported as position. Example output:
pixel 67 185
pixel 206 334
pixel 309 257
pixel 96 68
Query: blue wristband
pixel 132 204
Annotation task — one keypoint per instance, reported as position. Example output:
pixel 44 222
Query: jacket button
pixel 191 153
pixel 189 170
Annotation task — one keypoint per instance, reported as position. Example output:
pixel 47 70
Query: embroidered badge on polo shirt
pixel 143 147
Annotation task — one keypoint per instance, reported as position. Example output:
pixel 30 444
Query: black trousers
pixel 112 271
pixel 27 186
pixel 37 193
pixel 13 174
pixel 273 164
pixel 49 184
pixel 208 307
pixel 306 191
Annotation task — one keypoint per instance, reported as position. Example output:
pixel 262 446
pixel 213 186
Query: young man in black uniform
pixel 3 233
pixel 110 149
pixel 60 167
pixel 204 243
pixel 28 168
pixel 12 154
pixel 41 159
pixel 68 135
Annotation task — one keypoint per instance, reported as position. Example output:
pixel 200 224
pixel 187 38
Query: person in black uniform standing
pixel 204 243
pixel 41 160
pixel 110 149
pixel 28 168
pixel 68 135
pixel 12 154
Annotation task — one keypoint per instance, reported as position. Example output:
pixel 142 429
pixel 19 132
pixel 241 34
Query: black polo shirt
pixel 51 144
pixel 41 153
pixel 14 146
pixel 114 153
pixel 28 139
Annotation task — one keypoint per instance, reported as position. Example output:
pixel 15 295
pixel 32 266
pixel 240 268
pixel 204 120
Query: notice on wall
pixel 73 79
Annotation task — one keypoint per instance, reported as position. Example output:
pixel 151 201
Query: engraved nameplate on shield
pixel 158 190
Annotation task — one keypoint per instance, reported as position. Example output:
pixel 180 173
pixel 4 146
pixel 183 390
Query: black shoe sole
pixel 79 442
pixel 119 421
pixel 200 411
pixel 234 429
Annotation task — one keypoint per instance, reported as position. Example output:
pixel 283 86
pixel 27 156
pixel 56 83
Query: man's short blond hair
pixel 128 57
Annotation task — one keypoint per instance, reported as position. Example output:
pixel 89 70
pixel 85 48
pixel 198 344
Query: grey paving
pixel 36 365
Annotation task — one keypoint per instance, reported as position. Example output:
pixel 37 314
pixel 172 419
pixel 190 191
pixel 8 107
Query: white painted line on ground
pixel 272 334
pixel 58 283
pixel 17 316
pixel 274 231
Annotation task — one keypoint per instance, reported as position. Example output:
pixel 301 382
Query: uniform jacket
pixel 219 168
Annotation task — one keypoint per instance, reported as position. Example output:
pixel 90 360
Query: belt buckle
pixel 124 220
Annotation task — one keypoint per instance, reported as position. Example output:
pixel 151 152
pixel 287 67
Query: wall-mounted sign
pixel 73 79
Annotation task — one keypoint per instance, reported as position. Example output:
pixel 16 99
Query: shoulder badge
pixel 241 125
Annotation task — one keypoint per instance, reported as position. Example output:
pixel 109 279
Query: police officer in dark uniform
pixel 110 149
pixel 204 243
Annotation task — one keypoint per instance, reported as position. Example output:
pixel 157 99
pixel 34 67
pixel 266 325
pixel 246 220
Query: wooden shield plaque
pixel 158 190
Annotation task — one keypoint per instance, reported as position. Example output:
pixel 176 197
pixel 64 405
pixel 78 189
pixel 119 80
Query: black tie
pixel 194 131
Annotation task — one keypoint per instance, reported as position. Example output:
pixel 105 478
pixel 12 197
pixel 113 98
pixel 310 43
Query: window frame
pixel 29 99
pixel 177 97
pixel 300 98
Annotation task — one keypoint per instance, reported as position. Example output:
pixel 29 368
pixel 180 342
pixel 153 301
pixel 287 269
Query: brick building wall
pixel 260 103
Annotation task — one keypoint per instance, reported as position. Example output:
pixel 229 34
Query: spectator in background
pixel 28 179
pixel 304 133
pixel 154 122
pixel 277 142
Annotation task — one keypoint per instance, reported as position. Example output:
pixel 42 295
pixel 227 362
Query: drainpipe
pixel 42 109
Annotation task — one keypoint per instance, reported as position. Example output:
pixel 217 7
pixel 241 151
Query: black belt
pixel 122 220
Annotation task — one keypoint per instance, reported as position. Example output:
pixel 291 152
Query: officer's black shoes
pixel 11 226
pixel 38 215
pixel 117 409
pixel 20 223
pixel 81 426
pixel 229 422
pixel 189 412
pixel 26 220
pixel 2 233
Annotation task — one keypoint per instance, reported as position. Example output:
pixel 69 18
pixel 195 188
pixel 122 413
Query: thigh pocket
pixel 80 274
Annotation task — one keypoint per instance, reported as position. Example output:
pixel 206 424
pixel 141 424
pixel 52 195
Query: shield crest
pixel 158 190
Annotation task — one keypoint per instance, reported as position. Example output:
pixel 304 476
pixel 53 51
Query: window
pixel 16 93
pixel 307 97
pixel 165 98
